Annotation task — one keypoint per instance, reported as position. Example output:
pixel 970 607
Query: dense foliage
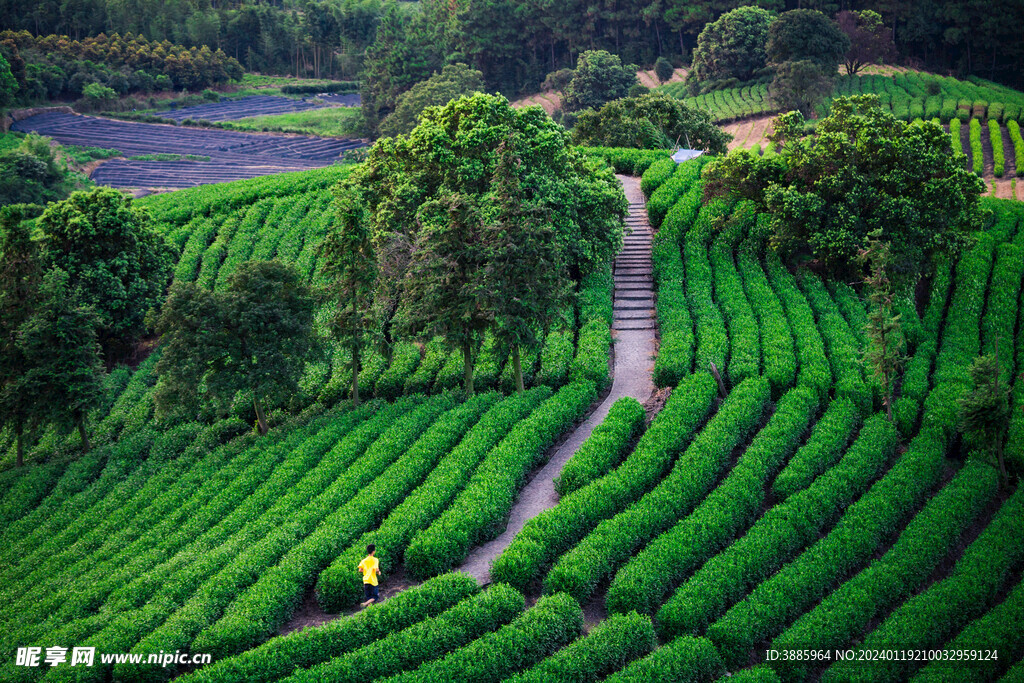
pixel 828 211
pixel 453 81
pixel 651 121
pixel 732 46
pixel 599 77
pixel 56 66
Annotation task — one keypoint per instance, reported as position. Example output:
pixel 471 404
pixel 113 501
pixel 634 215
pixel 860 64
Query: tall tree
pixel 861 173
pixel 351 271
pixel 444 291
pixel 599 77
pixel 115 260
pixel 651 121
pixel 453 81
pixel 870 39
pixel 525 272
pixel 884 354
pixel 63 372
pixel 732 46
pixel 801 86
pixel 255 336
pixel 20 274
pixel 807 34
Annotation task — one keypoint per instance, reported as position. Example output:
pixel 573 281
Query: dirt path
pixel 634 336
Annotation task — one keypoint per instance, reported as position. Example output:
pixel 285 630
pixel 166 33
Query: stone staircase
pixel 634 283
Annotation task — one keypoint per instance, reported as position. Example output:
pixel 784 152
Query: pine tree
pixel 884 355
pixel 985 410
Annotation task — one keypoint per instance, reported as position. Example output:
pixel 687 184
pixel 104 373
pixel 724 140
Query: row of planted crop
pixel 151 602
pixel 273 482
pixel 651 575
pixel 929 619
pixel 553 532
pixel 756 600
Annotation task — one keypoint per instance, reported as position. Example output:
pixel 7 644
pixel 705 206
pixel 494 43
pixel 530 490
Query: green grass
pixel 342 121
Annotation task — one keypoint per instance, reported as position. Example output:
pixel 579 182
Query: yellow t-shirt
pixel 369 567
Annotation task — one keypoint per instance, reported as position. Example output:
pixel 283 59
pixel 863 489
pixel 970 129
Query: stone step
pixel 635 314
pixel 645 304
pixel 632 294
pixel 626 272
pixel 638 280
pixel 626 325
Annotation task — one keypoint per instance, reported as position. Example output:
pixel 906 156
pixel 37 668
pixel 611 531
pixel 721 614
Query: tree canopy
pixel 807 34
pixel 118 264
pixel 453 81
pixel 862 174
pixel 732 46
pixel 651 121
pixel 870 39
pixel 253 337
pixel 599 77
pixel 800 85
pixel 472 214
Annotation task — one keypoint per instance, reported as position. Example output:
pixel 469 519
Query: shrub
pixel 978 160
pixel 541 630
pixel 696 471
pixel 810 351
pixel 684 660
pixel 605 448
pixel 595 336
pixel 478 513
pixel 995 136
pixel 404 460
pixel 779 357
pixel 656 175
pixel 338 586
pixel 730 508
pixel 614 642
pixel 744 339
pixel 554 531
pixel 555 356
pixel 822 451
pixel 845 613
pixel 279 657
pixel 423 641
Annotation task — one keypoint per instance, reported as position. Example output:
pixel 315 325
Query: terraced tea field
pixel 777 509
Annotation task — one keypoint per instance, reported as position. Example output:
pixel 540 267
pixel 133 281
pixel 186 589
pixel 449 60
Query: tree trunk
pixel 83 433
pixel 467 367
pixel 19 430
pixel 355 375
pixel 261 419
pixel 517 365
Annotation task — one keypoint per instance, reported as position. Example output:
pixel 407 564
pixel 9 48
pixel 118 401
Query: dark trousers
pixel 370 592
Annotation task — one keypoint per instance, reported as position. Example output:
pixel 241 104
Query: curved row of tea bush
pixel 730 508
pixel 693 475
pixel 556 530
pixel 605 448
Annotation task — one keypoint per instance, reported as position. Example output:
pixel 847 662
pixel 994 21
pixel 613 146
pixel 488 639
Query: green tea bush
pixel 555 531
pixel 693 475
pixel 605 448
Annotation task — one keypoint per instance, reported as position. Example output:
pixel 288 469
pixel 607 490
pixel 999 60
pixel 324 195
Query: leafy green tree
pixel 453 81
pixel 8 84
pixel 117 262
pixel 652 121
pixel 525 276
pixel 429 198
pixel 732 46
pixel 446 284
pixel 800 85
pixel 351 270
pixel 20 273
pixel 255 336
pixel 884 355
pixel 862 173
pixel 63 372
pixel 985 411
pixel 664 70
pixel 870 39
pixel 807 34
pixel 599 77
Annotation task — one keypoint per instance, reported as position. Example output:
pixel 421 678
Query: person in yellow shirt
pixel 370 569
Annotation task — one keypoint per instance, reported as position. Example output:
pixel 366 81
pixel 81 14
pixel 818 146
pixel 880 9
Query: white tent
pixel 682 155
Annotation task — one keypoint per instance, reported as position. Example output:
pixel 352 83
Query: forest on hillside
pixel 514 44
